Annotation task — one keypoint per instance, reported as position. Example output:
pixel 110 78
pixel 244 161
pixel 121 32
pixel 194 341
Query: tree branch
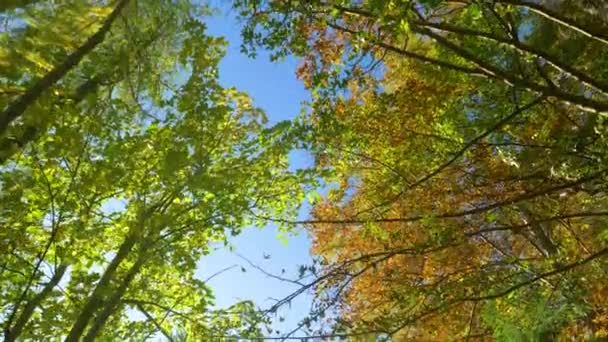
pixel 556 17
pixel 20 105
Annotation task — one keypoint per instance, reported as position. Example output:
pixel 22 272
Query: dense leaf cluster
pixel 468 143
pixel 123 163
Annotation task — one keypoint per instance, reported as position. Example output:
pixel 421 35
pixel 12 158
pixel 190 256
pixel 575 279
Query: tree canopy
pixel 124 160
pixel 461 145
pixel 468 147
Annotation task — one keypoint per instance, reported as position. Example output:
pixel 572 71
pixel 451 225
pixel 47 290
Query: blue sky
pixel 273 87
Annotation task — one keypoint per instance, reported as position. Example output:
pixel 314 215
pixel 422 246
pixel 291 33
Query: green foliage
pixel 464 142
pixel 528 317
pixel 122 174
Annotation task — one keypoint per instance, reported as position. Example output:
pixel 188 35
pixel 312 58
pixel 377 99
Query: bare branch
pixel 268 274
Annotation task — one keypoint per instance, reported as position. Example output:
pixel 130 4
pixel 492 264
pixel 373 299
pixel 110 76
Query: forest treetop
pixel 462 143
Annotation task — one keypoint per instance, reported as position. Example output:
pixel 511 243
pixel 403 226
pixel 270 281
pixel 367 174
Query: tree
pixel 16 108
pixel 120 190
pixel 47 66
pixel 469 148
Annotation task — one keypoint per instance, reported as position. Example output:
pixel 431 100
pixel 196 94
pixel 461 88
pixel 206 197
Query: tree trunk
pixel 114 300
pixel 18 107
pixel 96 299
pixel 11 334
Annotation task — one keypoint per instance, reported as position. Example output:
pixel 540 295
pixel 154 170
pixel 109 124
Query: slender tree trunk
pixel 19 106
pixel 539 235
pixel 110 305
pixel 11 334
pixel 96 298
pixel 11 145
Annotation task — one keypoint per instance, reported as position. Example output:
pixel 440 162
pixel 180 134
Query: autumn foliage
pixel 468 147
